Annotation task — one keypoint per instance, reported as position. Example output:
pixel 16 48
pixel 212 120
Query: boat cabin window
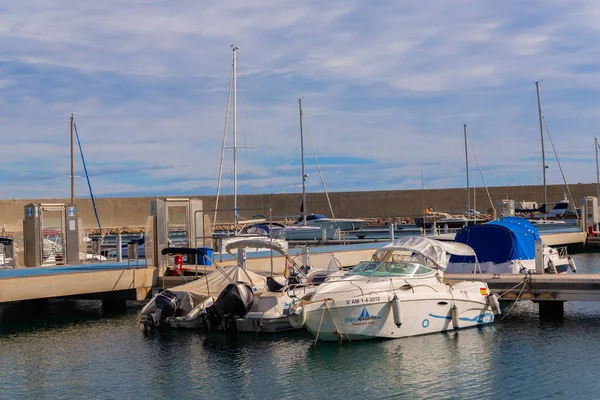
pixel 422 270
pixel 363 268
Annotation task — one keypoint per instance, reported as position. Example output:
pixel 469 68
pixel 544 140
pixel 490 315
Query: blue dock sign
pixel 71 211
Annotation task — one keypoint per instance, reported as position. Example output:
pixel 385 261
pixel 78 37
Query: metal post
pixel 392 232
pixel 119 248
pixel 539 257
pixel 305 255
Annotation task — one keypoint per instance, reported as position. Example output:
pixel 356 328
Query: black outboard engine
pixel 235 301
pixel 166 304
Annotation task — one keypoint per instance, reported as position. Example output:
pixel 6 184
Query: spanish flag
pixel 483 291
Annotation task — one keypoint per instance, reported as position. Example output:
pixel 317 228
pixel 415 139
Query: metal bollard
pixel 119 248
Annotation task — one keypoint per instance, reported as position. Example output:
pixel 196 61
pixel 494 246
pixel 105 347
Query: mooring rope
pixel 341 321
pixel 525 281
pixel 320 323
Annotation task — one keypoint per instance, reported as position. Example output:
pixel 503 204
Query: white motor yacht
pixel 400 292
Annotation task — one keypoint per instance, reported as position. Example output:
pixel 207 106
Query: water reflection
pixel 74 349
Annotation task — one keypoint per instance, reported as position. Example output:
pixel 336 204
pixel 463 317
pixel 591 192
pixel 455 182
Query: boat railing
pixel 562 252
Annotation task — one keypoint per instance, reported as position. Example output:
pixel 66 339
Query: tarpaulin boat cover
pixel 193 293
pixel 499 241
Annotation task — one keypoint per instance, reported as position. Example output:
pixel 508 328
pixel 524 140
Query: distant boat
pixel 314 226
pixel 540 215
pixel 6 252
pixel 344 224
pixel 506 246
pixel 443 220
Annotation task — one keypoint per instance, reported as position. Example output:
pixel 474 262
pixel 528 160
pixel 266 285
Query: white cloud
pixel 390 82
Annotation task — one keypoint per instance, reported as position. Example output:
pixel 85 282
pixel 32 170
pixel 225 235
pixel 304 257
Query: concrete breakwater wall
pixel 133 212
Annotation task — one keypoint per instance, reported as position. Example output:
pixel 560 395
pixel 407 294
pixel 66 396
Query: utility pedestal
pixel 51 234
pixel 181 217
pixel 32 236
pixel 72 235
pixel 539 256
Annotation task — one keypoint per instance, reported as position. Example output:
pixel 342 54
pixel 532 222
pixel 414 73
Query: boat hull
pixel 373 316
pixel 257 324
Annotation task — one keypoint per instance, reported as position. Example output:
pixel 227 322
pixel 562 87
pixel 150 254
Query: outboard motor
pixel 166 304
pixel 235 301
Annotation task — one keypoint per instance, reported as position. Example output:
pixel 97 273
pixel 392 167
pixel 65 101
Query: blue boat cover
pixel 499 241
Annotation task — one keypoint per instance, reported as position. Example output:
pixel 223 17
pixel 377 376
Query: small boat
pixel 268 312
pixel 445 220
pixel 400 292
pixel 344 224
pixel 184 306
pixel 314 226
pixel 271 311
pixel 506 246
pixel 7 259
pixel 246 302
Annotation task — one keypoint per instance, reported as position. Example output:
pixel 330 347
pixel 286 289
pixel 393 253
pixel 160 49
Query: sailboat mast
pixel 235 205
pixel 537 89
pixel 422 193
pixel 72 159
pixel 597 171
pixel 302 158
pixel 467 167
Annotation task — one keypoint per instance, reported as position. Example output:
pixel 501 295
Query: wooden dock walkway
pixel 538 287
pixel 98 281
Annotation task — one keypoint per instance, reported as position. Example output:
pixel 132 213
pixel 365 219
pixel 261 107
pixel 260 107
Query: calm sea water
pixel 74 350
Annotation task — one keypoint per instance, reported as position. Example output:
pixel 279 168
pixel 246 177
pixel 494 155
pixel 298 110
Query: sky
pixel 386 88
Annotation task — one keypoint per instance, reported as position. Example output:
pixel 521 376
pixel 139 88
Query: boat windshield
pixel 379 269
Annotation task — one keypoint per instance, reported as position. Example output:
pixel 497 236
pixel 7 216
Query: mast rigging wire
pixel 88 180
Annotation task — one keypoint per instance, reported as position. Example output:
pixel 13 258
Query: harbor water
pixel 75 350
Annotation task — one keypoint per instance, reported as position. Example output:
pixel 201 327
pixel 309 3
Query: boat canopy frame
pixel 434 251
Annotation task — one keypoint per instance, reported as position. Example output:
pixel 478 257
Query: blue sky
pixel 386 89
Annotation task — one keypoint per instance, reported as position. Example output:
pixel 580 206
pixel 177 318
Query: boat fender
pixel 572 264
pixel 397 311
pixel 494 304
pixel 297 317
pixel 454 313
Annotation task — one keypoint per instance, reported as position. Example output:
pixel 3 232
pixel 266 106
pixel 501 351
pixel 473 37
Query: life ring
pixel 297 318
